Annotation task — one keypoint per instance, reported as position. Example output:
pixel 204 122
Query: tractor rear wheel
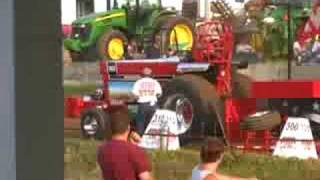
pixel 178 34
pixel 111 45
pixel 206 112
pixel 95 123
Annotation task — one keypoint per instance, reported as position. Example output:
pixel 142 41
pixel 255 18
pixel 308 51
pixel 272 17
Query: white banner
pixel 162 131
pixel 296 140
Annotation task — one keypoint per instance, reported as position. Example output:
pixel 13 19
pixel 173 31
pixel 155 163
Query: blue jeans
pixel 144 115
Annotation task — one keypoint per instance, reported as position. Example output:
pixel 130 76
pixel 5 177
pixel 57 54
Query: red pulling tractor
pixel 218 100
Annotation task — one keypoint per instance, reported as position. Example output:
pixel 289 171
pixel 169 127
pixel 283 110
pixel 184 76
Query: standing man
pixel 154 51
pixel 147 91
pixel 120 159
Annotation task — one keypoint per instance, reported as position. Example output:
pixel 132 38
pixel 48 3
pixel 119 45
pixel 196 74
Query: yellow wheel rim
pixel 182 34
pixel 116 49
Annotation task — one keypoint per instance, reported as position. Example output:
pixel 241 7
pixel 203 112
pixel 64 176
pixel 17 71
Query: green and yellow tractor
pixel 105 35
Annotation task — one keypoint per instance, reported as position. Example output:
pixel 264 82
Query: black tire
pixel 76 56
pixel 102 119
pixel 167 27
pixel 104 41
pixel 265 121
pixel 241 85
pixel 207 106
pixel 88 55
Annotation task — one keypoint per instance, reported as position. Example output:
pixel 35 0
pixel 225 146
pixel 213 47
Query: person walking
pixel 147 91
pixel 120 159
pixel 211 155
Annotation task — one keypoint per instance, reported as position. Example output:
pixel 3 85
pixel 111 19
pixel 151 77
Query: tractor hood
pixel 99 16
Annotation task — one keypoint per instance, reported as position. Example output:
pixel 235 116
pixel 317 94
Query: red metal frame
pixel 215 45
pixel 135 67
pixel 286 89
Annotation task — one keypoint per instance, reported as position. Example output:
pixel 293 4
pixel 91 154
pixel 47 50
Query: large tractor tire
pixel 178 32
pixel 111 45
pixel 206 111
pixel 76 57
pixel 95 123
pixel 241 85
pixel 266 120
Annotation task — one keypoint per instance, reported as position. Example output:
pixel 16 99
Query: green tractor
pixel 105 35
pixel 276 30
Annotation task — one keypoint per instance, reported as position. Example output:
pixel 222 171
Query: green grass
pixel 80 163
pixel 79 89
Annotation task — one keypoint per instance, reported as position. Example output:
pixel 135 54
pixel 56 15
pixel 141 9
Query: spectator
pixel 154 51
pixel 316 45
pixel 118 158
pixel 211 155
pixel 146 90
pixel 133 50
pixel 171 52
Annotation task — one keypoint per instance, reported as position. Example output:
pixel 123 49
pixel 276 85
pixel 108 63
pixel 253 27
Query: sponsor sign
pixel 296 140
pixel 162 131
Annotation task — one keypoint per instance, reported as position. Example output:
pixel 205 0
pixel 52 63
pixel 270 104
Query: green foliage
pixel 80 163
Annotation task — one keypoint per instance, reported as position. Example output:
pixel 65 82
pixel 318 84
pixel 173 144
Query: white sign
pixel 296 140
pixel 162 131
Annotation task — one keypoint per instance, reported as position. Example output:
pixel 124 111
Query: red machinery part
pixel 286 89
pixel 214 44
pixel 159 68
pixel 235 111
pixel 73 106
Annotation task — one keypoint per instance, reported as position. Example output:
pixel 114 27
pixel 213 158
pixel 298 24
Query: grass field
pixel 78 89
pixel 80 164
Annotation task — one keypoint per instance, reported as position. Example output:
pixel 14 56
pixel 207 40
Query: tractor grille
pixel 81 31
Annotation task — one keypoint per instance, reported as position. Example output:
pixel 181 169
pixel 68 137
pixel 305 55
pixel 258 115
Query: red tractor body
pixel 213 65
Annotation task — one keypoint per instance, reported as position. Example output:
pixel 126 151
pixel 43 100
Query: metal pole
pixel 108 5
pixel 290 43
pixel 290 50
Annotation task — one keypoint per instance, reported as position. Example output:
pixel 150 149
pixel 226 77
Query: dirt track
pixel 72 127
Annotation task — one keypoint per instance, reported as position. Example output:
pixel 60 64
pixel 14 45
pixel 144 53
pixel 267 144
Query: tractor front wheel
pixel 111 45
pixel 95 123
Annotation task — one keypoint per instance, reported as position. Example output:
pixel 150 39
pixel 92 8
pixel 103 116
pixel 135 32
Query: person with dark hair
pixel 153 52
pixel 133 51
pixel 211 155
pixel 118 158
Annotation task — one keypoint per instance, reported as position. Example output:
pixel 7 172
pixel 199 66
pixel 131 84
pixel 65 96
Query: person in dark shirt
pixel 154 51
pixel 120 159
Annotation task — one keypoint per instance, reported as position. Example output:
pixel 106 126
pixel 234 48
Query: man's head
pixel 147 72
pixel 212 150
pixel 157 40
pixel 120 122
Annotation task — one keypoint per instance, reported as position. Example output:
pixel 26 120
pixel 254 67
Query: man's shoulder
pixel 134 147
pixel 112 143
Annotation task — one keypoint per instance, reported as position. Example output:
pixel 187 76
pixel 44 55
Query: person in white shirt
pixel 147 91
pixel 211 155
